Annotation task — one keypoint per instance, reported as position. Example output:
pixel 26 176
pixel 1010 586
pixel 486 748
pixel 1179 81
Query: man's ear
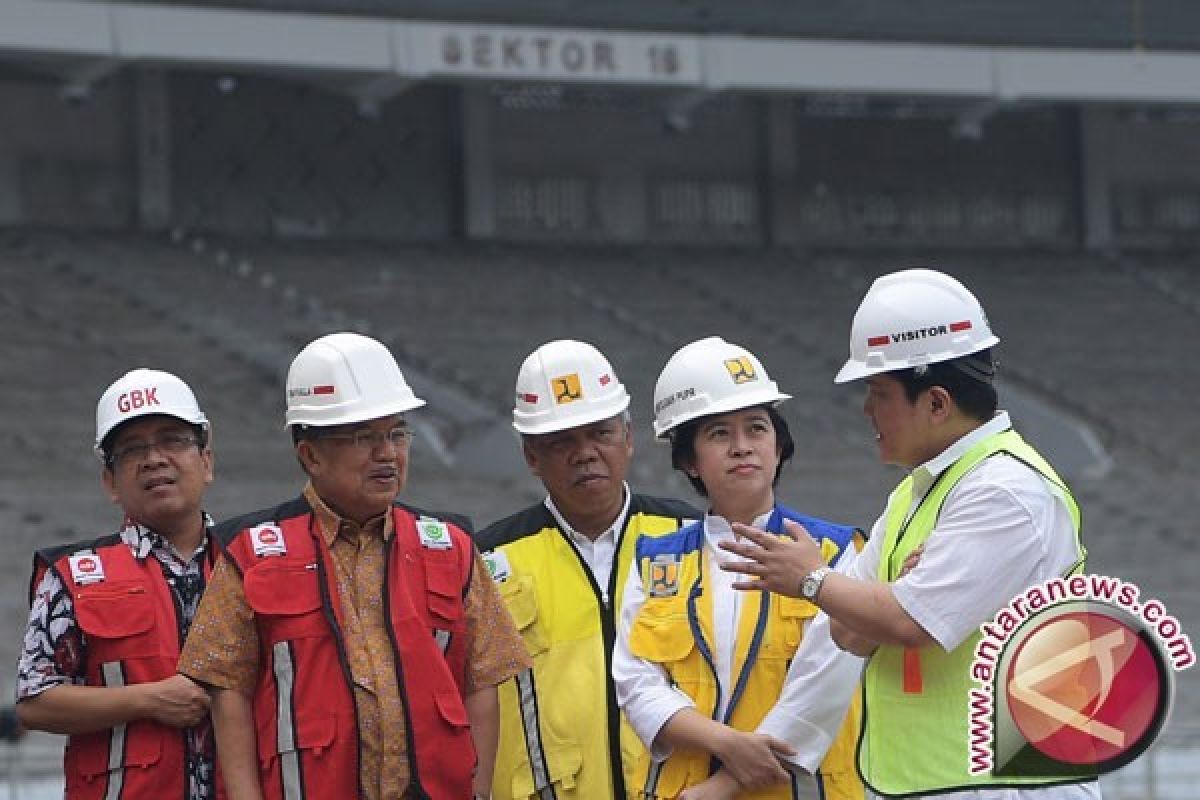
pixel 209 463
pixel 309 457
pixel 941 404
pixel 531 458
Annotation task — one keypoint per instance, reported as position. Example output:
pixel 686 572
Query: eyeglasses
pixel 170 443
pixel 368 440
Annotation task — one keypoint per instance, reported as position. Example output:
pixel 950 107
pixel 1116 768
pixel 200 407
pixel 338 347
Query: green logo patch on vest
pixel 434 534
pixel 497 565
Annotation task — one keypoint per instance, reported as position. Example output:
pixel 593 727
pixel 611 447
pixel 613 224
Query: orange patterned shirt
pixel 223 648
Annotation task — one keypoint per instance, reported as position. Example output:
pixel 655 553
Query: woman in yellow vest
pixel 717 682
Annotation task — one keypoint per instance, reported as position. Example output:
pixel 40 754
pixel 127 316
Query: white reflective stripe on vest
pixel 533 734
pixel 115 676
pixel 289 757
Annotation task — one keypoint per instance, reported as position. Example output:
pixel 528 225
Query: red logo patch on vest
pixel 86 568
pixel 267 540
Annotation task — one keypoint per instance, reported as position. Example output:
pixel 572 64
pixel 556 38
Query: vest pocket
pixel 556 766
pixel 661 632
pixel 121 612
pixel 286 596
pixel 520 596
pixel 793 614
pixel 450 706
pixel 111 755
pixel 306 731
pixel 444 594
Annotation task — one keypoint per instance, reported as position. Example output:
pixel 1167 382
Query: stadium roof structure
pixel 1102 24
pixel 986 54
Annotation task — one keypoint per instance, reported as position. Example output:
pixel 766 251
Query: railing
pixel 1170 770
pixel 31 768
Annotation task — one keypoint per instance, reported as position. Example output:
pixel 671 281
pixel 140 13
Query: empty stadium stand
pixel 1099 342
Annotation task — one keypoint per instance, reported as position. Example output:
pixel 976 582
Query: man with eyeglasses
pixel 352 644
pixel 108 616
pixel 561 567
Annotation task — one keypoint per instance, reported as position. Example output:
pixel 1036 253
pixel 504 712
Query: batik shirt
pixel 54 646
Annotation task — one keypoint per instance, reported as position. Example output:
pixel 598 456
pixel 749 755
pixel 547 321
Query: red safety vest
pixel 304 705
pixel 127 612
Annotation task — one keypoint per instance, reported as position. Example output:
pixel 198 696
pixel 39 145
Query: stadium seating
pixel 1102 343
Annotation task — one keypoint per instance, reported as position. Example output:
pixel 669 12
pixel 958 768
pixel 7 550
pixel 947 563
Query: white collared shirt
pixel 597 553
pixel 1002 529
pixel 815 696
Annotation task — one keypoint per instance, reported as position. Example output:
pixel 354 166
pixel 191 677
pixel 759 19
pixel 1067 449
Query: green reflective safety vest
pixel 561 733
pixel 914 738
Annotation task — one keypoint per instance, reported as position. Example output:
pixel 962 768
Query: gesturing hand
pixel 776 563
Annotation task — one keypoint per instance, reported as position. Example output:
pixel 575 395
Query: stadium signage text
pixel 493 51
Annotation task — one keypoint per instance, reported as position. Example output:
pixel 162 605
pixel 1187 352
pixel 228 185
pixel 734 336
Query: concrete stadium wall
pixel 1143 172
pixel 65 161
pixel 281 157
pixel 613 166
pixel 867 176
pixel 259 156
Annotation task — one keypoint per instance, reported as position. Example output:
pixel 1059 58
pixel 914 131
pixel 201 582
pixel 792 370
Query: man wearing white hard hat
pixel 986 514
pixel 108 616
pixel 561 567
pixel 352 643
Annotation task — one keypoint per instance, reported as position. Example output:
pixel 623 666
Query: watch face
pixel 812 583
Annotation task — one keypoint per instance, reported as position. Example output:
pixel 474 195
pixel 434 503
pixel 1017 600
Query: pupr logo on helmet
pixel 741 370
pixel 567 388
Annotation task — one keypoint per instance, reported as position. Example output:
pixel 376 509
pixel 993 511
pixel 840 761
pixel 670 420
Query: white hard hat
pixel 564 384
pixel 140 393
pixel 343 378
pixel 914 317
pixel 710 376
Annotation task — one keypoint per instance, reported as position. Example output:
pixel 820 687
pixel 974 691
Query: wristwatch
pixel 812 583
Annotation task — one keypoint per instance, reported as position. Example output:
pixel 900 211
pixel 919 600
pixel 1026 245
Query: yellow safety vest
pixel 674 628
pixel 915 715
pixel 561 732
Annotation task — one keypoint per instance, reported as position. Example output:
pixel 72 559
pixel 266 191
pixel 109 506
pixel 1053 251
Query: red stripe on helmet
pixel 965 325
pixel 877 341
pixel 323 389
